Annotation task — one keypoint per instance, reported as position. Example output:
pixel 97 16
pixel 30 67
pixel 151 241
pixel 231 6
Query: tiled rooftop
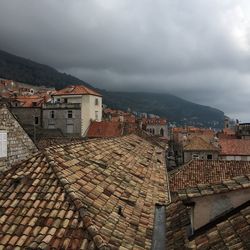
pixel 30 101
pixel 235 147
pixel 239 182
pixel 154 121
pixel 76 90
pixel 94 192
pixel 36 212
pixel 197 143
pixel 206 172
pixel 104 129
pixel 177 221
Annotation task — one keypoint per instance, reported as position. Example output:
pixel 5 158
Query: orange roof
pixel 76 90
pixel 29 101
pixel 206 172
pixel 235 147
pixel 104 129
pixel 154 121
pixel 197 143
pixel 228 131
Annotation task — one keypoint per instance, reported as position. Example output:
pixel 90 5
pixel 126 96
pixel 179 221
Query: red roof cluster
pixel 104 129
pixel 30 101
pixel 76 90
pixel 206 172
pixel 235 147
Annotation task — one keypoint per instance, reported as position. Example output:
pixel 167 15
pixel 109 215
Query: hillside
pixel 26 71
pixel 165 105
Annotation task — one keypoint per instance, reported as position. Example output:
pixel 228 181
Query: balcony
pixel 62 106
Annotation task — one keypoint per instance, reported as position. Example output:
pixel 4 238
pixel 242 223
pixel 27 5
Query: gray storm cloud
pixel 195 49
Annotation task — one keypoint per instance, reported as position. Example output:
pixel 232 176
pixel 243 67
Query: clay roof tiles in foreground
pixel 198 172
pixel 36 212
pixel 101 193
pixel 76 90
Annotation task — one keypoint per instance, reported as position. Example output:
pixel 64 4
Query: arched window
pixel 162 132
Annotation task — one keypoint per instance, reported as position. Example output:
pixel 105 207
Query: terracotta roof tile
pixel 33 210
pixel 206 172
pixel 104 129
pixel 235 147
pixel 197 143
pixel 30 101
pixel 120 181
pixel 76 90
pixel 104 198
pixel 154 121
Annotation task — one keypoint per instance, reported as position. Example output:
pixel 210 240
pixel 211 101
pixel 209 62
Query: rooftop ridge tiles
pixel 87 220
pixel 85 140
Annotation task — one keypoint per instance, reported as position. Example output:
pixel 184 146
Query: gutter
pixel 159 231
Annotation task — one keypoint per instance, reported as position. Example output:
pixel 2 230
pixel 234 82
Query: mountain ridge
pixel 174 108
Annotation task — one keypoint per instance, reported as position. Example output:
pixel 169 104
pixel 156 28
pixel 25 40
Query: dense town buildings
pixel 112 189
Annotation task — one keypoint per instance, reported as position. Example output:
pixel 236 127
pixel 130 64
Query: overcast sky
pixel 195 49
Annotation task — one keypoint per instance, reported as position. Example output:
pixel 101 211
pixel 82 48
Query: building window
pixel 96 115
pixel 70 114
pixel 34 104
pixel 209 157
pixel 3 144
pixel 96 101
pixel 70 128
pixel 162 132
pixel 52 114
pixel 36 120
pixel 65 100
pixel 195 156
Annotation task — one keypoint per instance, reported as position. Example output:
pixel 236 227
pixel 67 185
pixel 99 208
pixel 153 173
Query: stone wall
pixel 19 145
pixel 188 155
pixel 60 120
pixel 26 116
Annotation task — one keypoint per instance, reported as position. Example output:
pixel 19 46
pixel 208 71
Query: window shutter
pixel 3 144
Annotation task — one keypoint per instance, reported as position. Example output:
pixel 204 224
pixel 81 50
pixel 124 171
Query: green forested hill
pixel 165 105
pixel 26 71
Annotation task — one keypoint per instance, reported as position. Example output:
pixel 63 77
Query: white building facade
pixel 89 100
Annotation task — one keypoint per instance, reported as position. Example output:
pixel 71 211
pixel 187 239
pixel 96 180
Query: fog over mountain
pixel 198 50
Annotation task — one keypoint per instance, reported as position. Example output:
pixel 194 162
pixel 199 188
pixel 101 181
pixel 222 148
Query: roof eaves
pixel 199 190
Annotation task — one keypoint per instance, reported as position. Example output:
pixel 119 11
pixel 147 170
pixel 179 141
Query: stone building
pixel 15 144
pixel 28 109
pixel 63 116
pixel 234 149
pixel 243 130
pixel 155 126
pixel 90 104
pixel 28 116
pixel 198 148
pixel 211 207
